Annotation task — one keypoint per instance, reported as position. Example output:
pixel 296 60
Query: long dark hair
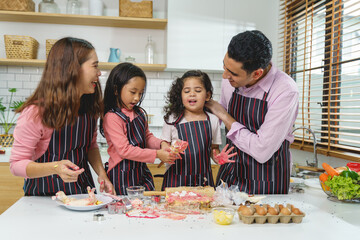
pixel 118 78
pixel 174 104
pixel 57 95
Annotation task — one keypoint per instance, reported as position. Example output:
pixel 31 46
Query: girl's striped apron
pixel 271 177
pixel 128 172
pixel 194 169
pixel 72 142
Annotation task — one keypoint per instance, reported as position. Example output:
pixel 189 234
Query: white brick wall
pixel 25 79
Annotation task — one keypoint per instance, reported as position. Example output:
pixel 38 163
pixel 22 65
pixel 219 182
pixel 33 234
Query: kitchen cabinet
pixel 123 32
pixel 200 31
pixel 10 187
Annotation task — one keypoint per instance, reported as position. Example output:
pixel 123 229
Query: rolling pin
pixel 154 193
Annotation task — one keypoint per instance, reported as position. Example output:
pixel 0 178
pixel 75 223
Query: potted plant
pixel 6 120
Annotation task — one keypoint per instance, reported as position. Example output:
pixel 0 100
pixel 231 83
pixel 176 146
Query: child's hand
pixel 166 156
pixel 223 156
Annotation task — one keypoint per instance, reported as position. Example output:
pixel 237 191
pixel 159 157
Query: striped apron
pixel 71 142
pixel 128 172
pixel 194 169
pixel 271 177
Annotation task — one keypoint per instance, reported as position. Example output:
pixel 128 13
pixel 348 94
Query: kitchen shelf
pixel 87 20
pixel 102 65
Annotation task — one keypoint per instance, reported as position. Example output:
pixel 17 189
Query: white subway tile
pixel 22 77
pixel 4 92
pixel 14 84
pixel 161 104
pixel 35 78
pixel 31 70
pixel 7 76
pixel 163 90
pixel 165 75
pixel 23 92
pixel 30 85
pixel 156 82
pixel 148 103
pixel 217 76
pixel 3 83
pixel 152 75
pixel 151 89
pixel 15 69
pixel 157 96
pixel 3 69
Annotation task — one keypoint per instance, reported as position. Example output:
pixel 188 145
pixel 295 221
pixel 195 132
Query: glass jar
pixel 48 6
pixel 149 51
pixel 73 7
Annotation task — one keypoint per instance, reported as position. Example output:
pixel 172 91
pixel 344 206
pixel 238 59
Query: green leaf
pixel 16 104
pixel 12 90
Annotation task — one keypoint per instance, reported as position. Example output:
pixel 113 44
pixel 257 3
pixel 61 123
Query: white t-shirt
pixel 170 133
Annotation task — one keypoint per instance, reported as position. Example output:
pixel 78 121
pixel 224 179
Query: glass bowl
pixel 223 215
pixel 135 192
pixel 334 198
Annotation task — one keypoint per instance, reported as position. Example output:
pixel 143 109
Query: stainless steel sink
pixel 305 174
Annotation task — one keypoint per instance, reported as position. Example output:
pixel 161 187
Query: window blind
pixel 319 47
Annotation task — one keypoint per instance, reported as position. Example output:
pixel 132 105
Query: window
pixel 319 47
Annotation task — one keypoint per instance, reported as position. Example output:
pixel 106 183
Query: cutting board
pixel 208 191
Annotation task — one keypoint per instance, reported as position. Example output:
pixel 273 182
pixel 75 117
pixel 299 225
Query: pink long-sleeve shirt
pixel 31 139
pixel 282 105
pixel 119 145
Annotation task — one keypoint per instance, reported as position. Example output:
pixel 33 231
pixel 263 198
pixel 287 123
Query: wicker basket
pixel 20 47
pixel 17 5
pixel 49 44
pixel 127 8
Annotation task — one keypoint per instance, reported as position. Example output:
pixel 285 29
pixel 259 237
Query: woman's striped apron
pixel 72 142
pixel 194 169
pixel 127 172
pixel 271 177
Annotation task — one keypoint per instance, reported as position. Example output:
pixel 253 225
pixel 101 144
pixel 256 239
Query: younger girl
pixel 187 120
pixel 125 128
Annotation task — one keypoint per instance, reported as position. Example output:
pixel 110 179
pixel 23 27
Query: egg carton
pixel 269 218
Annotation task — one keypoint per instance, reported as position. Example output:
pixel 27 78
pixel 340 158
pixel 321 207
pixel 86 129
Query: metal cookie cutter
pixel 98 217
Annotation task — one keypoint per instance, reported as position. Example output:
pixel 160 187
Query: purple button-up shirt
pixel 282 110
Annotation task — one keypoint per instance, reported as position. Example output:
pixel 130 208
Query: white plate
pixel 296 181
pixel 312 182
pixel 104 199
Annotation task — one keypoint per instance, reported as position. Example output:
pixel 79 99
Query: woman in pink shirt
pixel 55 135
pixel 125 127
pixel 258 106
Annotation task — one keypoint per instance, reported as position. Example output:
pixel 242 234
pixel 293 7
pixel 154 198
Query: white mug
pixel 96 7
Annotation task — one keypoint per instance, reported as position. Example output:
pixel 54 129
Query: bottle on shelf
pixel 73 7
pixel 149 51
pixel 48 6
pixel 96 7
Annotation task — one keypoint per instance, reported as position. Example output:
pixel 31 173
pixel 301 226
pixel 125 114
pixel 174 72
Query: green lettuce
pixel 344 188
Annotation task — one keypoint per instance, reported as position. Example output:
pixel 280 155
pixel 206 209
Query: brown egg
pixel 272 211
pixel 246 211
pixel 261 211
pixel 281 206
pixel 296 211
pixel 241 207
pixel 285 211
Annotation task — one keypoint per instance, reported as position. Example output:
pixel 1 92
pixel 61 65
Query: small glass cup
pixel 134 192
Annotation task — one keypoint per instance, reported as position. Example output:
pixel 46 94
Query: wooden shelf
pixel 102 65
pixel 87 20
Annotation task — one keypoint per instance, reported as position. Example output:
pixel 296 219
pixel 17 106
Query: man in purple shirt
pixel 258 106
